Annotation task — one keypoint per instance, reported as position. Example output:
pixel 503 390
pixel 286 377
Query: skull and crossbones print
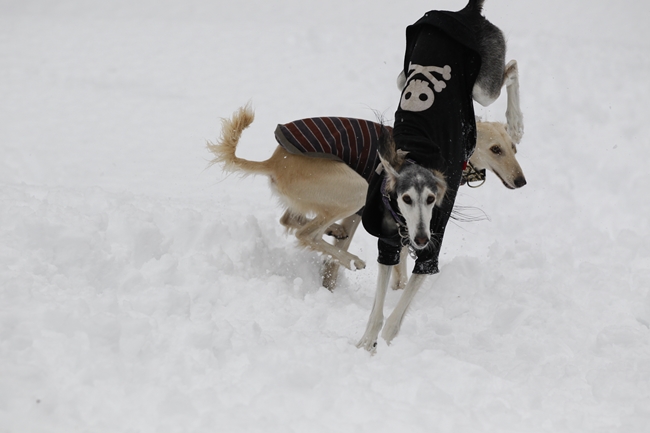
pixel 418 95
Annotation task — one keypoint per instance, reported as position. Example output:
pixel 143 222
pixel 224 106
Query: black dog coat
pixel 434 122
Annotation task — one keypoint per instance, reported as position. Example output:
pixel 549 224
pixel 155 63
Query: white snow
pixel 140 292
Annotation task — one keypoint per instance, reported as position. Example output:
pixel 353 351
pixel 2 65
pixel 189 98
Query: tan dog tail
pixel 225 147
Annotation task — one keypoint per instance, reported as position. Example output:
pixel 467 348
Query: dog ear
pixel 386 145
pixel 441 183
pixel 390 174
pixel 387 149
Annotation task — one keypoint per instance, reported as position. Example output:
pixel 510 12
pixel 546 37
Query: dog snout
pixel 520 181
pixel 421 241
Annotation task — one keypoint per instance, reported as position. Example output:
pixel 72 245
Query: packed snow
pixel 143 292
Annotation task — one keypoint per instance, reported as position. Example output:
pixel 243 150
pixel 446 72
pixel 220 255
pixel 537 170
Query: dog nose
pixel 520 181
pixel 421 241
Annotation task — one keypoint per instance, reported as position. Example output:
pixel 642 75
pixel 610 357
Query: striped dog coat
pixel 352 141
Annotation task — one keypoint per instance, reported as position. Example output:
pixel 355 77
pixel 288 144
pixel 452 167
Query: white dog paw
pixel 391 329
pixel 369 339
pixel 515 129
pixel 512 72
pixel 369 344
pixel 398 283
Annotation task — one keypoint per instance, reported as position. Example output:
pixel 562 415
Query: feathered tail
pixel 226 146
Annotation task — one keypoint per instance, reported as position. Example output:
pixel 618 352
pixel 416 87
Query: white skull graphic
pixel 417 96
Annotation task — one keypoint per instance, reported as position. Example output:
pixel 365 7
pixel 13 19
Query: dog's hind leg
pixel 514 116
pixel 328 189
pixel 337 231
pixel 376 320
pixel 311 236
pixel 394 321
pixel 292 221
pixel 330 271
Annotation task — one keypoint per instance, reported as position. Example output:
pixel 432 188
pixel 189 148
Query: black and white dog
pixel 452 58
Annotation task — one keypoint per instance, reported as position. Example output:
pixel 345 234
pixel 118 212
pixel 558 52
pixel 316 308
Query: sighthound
pixel 323 196
pixel 409 196
pixel 451 59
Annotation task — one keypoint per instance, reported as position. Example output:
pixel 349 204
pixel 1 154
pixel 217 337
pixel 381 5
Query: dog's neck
pixel 473 176
pixel 390 206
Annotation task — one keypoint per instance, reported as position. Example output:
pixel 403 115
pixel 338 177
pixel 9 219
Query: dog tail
pixel 225 147
pixel 474 6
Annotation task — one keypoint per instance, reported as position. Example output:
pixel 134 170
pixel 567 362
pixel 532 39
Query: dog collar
pixel 471 174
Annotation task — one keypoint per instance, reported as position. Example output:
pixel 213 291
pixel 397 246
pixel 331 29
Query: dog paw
pixel 369 344
pixel 515 127
pixel 359 264
pixel 398 283
pixel 369 339
pixel 330 275
pixel 337 231
pixel 391 329
pixel 511 72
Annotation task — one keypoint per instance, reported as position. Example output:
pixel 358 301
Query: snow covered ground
pixel 140 292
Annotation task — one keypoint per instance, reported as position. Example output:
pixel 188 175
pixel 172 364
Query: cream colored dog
pixel 317 193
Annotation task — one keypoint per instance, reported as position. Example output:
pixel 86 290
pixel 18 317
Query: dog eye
pixel 431 199
pixel 407 199
pixel 496 150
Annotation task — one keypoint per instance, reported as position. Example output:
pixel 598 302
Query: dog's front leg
pixel 376 320
pixel 514 116
pixel 394 321
pixel 400 276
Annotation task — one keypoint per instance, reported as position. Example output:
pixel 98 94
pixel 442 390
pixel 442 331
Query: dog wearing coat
pixel 414 186
pixel 323 195
pixel 452 58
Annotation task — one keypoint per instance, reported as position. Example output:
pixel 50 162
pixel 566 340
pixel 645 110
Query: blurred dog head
pixel 495 151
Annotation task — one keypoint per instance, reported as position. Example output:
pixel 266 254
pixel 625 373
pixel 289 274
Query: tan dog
pixel 317 193
pixel 495 151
